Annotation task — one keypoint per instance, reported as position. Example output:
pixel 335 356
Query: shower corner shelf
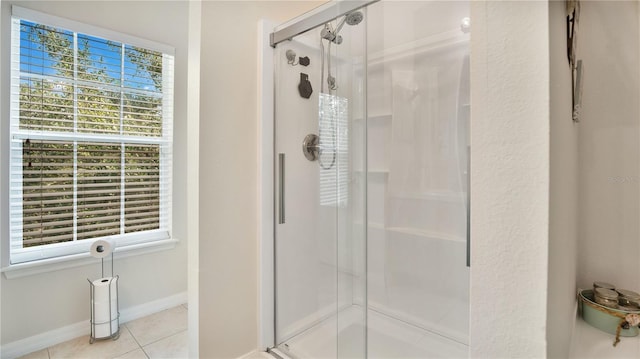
pixel 416 232
pixel 377 225
pixel 444 196
pixel 378 117
pixel 374 171
pixel 425 233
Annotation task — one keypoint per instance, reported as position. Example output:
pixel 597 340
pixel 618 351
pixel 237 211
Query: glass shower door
pixel 372 192
pixel 418 123
pixel 320 193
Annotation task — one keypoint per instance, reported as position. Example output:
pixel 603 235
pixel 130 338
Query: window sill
pixel 77 260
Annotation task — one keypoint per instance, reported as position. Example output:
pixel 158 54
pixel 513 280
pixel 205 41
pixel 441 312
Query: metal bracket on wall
pixel 577 81
pixel 573 17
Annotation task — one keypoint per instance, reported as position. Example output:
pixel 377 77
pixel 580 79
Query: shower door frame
pixel 266 187
pixel 266 191
pixel 316 17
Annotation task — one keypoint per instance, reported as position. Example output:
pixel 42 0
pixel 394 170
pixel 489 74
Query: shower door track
pixel 315 18
pixel 276 353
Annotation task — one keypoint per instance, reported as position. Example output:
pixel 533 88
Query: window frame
pixel 80 248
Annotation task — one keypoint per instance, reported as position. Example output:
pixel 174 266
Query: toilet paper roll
pixel 101 248
pixel 105 307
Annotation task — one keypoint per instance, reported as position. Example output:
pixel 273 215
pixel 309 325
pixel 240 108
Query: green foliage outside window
pixel 92 87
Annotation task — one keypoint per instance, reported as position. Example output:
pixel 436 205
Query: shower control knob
pixel 311 147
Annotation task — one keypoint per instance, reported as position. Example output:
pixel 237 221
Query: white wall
pixel 509 178
pixel 563 192
pixel 609 146
pixel 193 170
pixel 228 169
pixel 44 302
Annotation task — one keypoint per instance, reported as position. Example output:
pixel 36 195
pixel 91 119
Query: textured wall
pixel 509 178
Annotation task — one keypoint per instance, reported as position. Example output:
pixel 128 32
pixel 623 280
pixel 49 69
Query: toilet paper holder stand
pixel 112 335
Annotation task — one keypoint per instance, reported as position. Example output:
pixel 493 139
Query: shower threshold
pixel 387 337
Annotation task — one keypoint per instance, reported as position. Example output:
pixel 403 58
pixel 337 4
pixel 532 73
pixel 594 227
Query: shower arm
pixel 344 19
pixel 328 34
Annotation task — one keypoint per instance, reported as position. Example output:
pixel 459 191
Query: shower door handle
pixel 280 188
pixel 468 206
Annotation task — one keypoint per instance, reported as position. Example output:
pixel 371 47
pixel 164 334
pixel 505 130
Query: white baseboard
pixel 248 355
pixel 256 354
pixel 44 340
pixel 155 306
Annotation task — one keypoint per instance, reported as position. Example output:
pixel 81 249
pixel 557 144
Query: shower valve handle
pixel 311 147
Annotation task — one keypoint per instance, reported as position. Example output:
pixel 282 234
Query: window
pixel 91 137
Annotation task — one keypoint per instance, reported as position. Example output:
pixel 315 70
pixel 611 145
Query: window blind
pixel 91 141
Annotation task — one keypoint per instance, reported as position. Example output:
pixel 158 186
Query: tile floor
pixel 160 335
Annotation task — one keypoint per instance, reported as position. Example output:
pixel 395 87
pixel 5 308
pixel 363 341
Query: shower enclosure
pixel 371 185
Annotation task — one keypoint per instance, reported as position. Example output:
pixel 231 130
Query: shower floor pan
pixel 387 338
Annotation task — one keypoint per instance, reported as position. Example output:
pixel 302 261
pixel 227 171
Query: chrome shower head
pixel 352 18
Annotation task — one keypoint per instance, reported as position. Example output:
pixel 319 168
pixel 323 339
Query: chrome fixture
pixel 353 18
pixel 312 150
pixel 311 147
